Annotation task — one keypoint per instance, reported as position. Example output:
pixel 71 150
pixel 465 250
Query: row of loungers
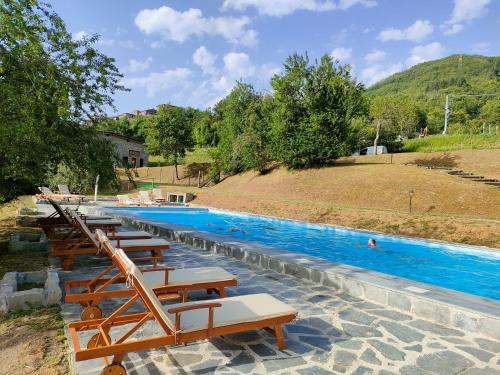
pixel 179 323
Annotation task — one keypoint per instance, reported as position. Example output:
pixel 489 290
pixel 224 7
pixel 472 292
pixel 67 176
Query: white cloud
pixel 279 8
pixel 464 11
pixel 135 66
pixel 452 29
pixel 341 53
pixel 155 82
pixel 205 60
pixel 181 25
pixel 238 65
pixel 375 55
pixel 422 53
pixel 344 4
pixel 375 73
pixel 416 32
pixel 80 35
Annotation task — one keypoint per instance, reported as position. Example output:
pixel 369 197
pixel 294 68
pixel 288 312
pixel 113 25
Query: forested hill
pixel 452 74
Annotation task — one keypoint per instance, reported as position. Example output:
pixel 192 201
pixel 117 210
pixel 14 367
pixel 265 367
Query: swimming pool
pixel 459 268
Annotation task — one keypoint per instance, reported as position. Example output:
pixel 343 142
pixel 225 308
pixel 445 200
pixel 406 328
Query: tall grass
pixel 452 143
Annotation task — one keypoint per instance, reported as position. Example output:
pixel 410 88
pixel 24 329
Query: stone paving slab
pixel 335 332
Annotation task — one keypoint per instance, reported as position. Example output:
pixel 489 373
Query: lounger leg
pixel 209 291
pixel 67 263
pixel 222 292
pixel 280 338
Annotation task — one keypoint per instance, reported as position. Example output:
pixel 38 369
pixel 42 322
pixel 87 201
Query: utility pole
pixel 446 114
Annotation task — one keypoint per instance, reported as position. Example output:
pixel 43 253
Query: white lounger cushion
pixel 156 279
pixel 143 243
pixel 234 310
pixel 101 222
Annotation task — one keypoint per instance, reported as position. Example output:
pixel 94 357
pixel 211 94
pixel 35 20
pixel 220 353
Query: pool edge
pixel 443 306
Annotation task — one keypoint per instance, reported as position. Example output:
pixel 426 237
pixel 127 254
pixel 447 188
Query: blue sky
pixel 190 52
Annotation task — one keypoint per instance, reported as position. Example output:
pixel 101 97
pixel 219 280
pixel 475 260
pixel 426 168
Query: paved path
pixel 335 333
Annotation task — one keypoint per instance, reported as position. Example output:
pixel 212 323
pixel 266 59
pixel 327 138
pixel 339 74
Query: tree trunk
pixel 176 171
pixel 375 142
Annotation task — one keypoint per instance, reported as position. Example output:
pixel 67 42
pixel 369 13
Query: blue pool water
pixel 445 265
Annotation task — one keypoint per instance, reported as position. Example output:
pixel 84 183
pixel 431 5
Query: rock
pixel 282 364
pixel 53 291
pixel 481 371
pixel 347 343
pixel 344 358
pixel 392 315
pixel 315 370
pixel 262 350
pixel 319 342
pixel 413 370
pixel 243 362
pixel 482 355
pixel 356 317
pixel 435 328
pixel 295 328
pixel 388 351
pixel 492 346
pixel 360 331
pixel 403 333
pixel 25 299
pixel 362 370
pixel 369 356
pixel 414 348
pixel 186 359
pixel 443 363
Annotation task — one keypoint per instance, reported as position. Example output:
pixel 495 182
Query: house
pixel 130 151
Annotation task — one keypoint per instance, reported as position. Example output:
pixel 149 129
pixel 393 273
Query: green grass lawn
pixel 198 155
pixel 452 143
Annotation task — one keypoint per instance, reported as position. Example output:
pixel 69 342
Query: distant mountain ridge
pixel 452 74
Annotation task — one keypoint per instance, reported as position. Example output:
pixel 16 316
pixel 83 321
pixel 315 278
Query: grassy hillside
pixel 453 142
pixel 471 73
pixel 369 192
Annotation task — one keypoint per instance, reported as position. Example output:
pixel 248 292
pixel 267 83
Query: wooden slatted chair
pixel 167 282
pixel 88 244
pixel 180 323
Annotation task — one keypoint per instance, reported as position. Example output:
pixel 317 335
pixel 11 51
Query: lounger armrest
pixel 208 305
pixel 153 269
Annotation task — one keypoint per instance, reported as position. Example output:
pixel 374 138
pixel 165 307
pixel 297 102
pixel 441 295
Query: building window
pixel 141 163
pixel 125 161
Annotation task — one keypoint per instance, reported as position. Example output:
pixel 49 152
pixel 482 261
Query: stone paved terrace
pixel 335 333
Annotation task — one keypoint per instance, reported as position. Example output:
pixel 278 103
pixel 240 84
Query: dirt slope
pixel 370 193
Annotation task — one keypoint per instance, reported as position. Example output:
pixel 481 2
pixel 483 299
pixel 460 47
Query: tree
pixel 49 84
pixel 171 133
pixel 314 107
pixel 242 130
pixel 490 113
pixel 205 133
pixel 395 118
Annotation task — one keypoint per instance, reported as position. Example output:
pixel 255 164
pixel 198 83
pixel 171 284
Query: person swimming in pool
pixel 372 243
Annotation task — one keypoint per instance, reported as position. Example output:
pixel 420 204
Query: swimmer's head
pixel 372 242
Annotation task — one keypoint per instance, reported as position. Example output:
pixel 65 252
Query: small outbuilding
pixel 130 151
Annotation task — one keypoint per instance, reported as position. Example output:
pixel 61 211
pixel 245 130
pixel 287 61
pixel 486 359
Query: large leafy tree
pixel 171 133
pixel 314 107
pixel 49 83
pixel 243 130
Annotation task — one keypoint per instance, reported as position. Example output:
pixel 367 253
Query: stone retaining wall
pixel 11 299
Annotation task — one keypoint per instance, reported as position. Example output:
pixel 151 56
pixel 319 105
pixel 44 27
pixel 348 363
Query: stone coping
pixel 461 310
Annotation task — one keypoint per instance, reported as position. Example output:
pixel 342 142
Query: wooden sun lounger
pixel 167 282
pixel 180 323
pixel 60 219
pixel 89 245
